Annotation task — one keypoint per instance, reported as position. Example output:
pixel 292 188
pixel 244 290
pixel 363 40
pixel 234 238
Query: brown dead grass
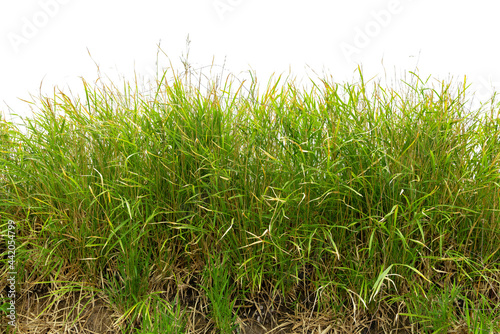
pixel 41 311
pixel 44 308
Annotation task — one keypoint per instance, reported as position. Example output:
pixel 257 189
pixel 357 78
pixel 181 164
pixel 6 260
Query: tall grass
pixel 350 200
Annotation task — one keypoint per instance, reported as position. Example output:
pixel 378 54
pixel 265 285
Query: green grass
pixel 339 205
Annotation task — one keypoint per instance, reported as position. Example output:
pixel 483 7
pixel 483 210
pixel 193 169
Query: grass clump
pixel 342 206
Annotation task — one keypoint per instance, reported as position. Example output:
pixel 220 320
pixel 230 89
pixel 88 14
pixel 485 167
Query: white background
pixel 47 43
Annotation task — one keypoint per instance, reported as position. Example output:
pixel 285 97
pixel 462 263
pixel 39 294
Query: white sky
pixel 48 40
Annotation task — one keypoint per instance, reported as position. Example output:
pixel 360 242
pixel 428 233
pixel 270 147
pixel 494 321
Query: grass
pixel 339 208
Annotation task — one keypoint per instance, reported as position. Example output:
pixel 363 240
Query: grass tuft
pixel 339 207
